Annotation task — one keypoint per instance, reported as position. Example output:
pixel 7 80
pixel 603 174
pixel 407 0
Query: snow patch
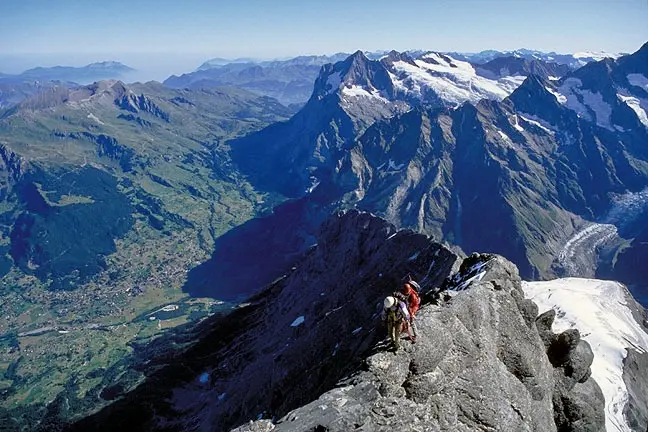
pixel 504 136
pixel 571 88
pixel 454 82
pixel 314 183
pixel 359 91
pixel 204 378
pixel 594 55
pixel 561 99
pixel 298 321
pixel 639 106
pixel 601 108
pixel 598 310
pixel 356 331
pixel 586 239
pixel 335 350
pixel 393 167
pixel 95 118
pixel 535 121
pixel 516 124
pixel 479 276
pixel 638 80
pixel 583 101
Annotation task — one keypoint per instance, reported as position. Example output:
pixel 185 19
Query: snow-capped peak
pixel 435 76
pixel 431 78
pixel 595 55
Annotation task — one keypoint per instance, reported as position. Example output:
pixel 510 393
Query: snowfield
pixel 598 310
pixel 638 80
pixel 454 81
pixel 584 102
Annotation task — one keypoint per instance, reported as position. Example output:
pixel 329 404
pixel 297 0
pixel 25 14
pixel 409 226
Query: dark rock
pixel 635 378
pixel 108 146
pixel 581 409
pixel 11 162
pixel 338 287
pixel 133 103
pixel 544 322
pixel 521 66
pixel 562 347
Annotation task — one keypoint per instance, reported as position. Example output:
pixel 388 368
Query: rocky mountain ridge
pixel 291 81
pixel 348 97
pixel 616 328
pixel 484 358
pixel 573 61
pixel 80 75
pixel 543 168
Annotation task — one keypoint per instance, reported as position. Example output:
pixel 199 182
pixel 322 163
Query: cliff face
pixel 484 361
pixel 309 352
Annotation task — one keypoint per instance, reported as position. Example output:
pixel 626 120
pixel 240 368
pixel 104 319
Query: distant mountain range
pixel 531 159
pixel 15 88
pixel 80 75
pixel 290 80
pixel 574 60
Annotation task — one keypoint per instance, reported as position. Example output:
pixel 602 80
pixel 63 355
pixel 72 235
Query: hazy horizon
pixel 163 37
pixel 156 65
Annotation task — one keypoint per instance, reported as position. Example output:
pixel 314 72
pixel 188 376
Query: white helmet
pixel 389 302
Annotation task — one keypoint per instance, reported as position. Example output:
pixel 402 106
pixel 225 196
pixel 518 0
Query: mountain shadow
pixel 260 250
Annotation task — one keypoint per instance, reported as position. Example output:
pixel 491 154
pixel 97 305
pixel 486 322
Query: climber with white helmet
pixel 397 316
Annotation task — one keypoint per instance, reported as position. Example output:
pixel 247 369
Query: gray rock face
pixel 635 366
pixel 293 341
pixel 308 353
pixel 512 65
pixel 479 364
pixel 635 376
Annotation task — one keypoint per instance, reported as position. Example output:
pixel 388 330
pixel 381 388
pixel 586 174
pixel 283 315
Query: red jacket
pixel 413 300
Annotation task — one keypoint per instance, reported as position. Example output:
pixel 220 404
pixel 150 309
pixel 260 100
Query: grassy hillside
pixel 109 195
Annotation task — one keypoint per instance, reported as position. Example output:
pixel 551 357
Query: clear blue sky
pixel 267 28
pixel 177 35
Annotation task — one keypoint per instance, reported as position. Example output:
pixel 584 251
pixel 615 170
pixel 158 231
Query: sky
pixel 76 32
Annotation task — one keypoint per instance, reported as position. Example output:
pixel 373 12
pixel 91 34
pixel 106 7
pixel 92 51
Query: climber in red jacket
pixel 413 300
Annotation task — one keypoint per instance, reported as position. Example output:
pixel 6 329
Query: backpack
pixel 399 313
pixel 416 287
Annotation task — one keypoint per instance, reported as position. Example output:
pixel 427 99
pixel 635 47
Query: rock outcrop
pixel 479 364
pixel 10 163
pixel 308 352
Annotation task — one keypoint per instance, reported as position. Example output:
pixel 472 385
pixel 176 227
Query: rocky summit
pixel 308 352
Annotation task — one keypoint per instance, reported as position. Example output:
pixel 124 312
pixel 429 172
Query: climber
pixel 396 314
pixel 410 293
